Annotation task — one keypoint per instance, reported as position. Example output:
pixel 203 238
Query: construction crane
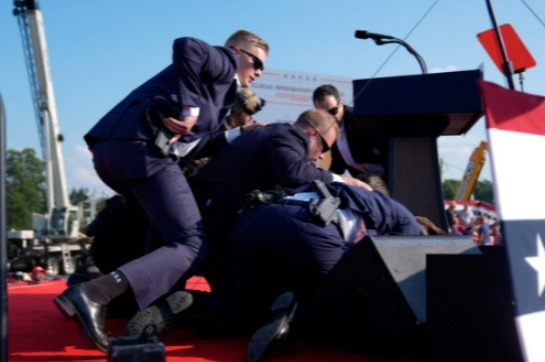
pixel 51 240
pixel 62 215
pixel 471 174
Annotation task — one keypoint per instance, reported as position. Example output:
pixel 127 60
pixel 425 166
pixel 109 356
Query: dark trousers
pixel 279 248
pixel 135 169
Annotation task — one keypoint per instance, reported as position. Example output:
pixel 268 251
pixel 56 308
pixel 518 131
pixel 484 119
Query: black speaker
pixel 374 299
pixel 470 308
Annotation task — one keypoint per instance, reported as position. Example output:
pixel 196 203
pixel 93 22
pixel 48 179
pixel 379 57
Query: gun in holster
pixel 163 135
pixel 324 209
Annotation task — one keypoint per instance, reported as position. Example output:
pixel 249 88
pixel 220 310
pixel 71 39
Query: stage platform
pixel 37 332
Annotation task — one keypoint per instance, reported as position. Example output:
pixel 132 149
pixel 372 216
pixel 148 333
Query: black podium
pixel 412 112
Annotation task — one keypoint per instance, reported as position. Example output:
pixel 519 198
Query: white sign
pixel 288 94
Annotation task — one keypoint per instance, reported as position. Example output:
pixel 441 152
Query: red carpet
pixel 38 332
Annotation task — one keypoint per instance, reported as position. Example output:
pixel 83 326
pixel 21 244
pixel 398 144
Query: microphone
pixel 364 34
pixel 381 39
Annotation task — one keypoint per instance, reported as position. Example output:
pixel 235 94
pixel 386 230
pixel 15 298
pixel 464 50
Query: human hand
pixel 180 127
pixel 252 126
pixel 355 182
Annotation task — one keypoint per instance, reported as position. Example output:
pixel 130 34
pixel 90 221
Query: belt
pixel 296 202
pixel 334 219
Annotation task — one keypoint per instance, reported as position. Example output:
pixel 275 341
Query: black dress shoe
pixel 163 314
pixel 73 302
pixel 275 331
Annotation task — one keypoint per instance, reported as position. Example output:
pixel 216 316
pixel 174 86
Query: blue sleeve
pixel 288 155
pixel 382 214
pixel 196 62
pixel 210 145
pixel 405 222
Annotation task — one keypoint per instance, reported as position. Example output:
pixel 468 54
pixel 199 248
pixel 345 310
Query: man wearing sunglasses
pixel 362 153
pixel 137 149
pixel 246 105
pixel 278 156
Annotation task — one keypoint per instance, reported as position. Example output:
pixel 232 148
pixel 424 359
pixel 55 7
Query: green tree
pixel 78 196
pixel 450 187
pixel 484 191
pixel 25 186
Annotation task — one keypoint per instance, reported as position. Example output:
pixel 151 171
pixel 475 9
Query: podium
pixel 411 112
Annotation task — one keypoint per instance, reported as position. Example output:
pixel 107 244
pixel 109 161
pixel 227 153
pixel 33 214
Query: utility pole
pixel 507 65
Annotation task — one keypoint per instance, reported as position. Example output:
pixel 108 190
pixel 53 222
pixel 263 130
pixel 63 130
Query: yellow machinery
pixel 471 174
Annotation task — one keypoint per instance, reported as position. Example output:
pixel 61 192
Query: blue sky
pixel 100 50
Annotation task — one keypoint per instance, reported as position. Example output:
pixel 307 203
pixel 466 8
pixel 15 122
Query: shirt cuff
pixel 191 111
pixel 337 178
pixel 232 134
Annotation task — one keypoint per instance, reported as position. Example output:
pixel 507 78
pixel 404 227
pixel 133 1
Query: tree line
pixel 26 189
pixel 26 186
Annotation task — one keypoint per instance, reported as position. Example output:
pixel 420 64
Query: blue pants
pixel 278 248
pixel 135 169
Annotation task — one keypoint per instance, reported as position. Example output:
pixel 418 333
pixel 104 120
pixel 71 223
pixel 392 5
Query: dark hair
pixel 376 182
pixel 429 226
pixel 325 90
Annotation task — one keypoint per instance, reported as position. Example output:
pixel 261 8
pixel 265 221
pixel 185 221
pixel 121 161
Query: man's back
pixel 265 158
pixel 259 159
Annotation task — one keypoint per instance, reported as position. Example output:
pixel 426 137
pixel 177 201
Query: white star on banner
pixel 538 263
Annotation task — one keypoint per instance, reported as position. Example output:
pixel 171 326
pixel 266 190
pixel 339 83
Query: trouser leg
pixel 169 203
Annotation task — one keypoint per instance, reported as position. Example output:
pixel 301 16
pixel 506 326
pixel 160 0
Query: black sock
pixel 102 290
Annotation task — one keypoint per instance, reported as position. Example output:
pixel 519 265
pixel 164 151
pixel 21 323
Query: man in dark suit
pixel 286 246
pixel 137 150
pixel 280 155
pixel 285 250
pixel 361 147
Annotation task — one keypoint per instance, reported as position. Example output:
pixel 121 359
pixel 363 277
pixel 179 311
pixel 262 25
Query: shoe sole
pixel 159 317
pixel 264 337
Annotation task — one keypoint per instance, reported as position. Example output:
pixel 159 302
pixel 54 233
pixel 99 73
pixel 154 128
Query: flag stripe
pixel 530 328
pixel 515 156
pixel 512 110
pixel 516 138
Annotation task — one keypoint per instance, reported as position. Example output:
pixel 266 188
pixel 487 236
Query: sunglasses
pixel 325 146
pixel 248 112
pixel 258 64
pixel 333 111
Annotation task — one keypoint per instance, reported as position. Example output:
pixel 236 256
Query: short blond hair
pixel 245 38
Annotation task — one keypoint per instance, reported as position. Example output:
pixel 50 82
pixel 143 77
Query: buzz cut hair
pixel 318 119
pixel 245 38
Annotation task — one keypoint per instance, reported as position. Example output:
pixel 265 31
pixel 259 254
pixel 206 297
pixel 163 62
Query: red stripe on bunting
pixel 511 110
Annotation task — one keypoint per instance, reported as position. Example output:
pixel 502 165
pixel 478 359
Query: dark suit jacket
pixel 200 76
pixel 367 144
pixel 275 155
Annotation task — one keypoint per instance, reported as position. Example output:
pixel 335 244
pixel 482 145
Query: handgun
pixel 163 137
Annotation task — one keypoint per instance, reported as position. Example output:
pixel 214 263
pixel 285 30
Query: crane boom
pixel 34 41
pixel 471 174
pixel 61 221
